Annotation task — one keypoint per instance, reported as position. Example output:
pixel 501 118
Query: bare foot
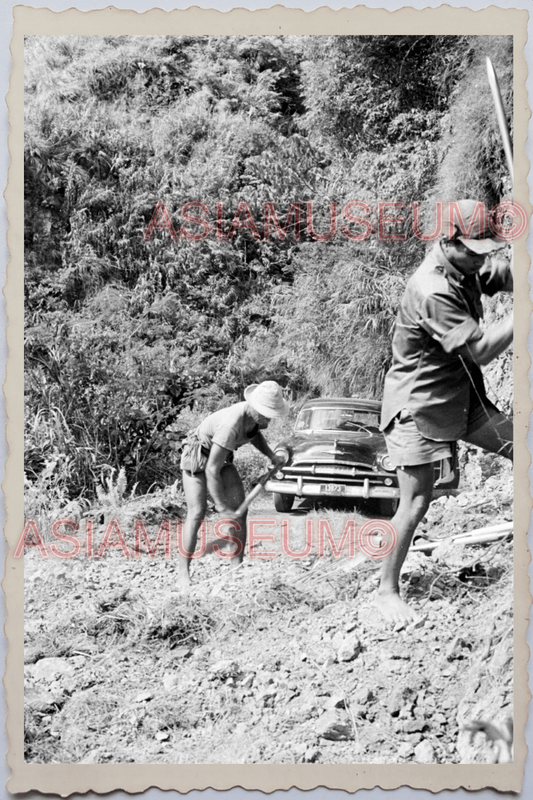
pixel 183 584
pixel 394 609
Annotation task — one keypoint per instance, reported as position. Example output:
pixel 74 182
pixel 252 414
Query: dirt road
pixel 284 661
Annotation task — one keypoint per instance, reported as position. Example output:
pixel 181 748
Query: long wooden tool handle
pixel 500 113
pixel 475 537
pixel 255 491
pixel 248 499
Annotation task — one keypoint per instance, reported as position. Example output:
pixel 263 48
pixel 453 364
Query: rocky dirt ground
pixel 286 660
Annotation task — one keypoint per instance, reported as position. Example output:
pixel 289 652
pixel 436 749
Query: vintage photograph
pixel 268 399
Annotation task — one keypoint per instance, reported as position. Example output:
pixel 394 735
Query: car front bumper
pixel 302 488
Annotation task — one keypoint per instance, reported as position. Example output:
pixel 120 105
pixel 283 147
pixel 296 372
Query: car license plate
pixel 332 488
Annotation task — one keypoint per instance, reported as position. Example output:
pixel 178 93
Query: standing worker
pixel 434 392
pixel 207 464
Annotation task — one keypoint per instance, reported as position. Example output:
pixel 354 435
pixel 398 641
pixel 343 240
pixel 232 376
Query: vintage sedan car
pixel 337 451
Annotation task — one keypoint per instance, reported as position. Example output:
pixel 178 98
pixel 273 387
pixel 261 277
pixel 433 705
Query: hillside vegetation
pixel 128 338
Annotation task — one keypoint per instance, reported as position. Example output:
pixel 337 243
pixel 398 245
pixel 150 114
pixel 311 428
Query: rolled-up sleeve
pixel 225 437
pixel 448 322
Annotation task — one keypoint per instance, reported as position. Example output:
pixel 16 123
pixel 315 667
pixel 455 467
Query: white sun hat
pixel 267 398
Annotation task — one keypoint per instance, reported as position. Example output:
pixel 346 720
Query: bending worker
pixel 434 392
pixel 207 464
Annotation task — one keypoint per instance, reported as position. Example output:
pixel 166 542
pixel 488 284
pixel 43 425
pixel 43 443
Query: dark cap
pixel 468 221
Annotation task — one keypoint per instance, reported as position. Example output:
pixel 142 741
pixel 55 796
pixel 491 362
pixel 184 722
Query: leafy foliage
pixel 473 163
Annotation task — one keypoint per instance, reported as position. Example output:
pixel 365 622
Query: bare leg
pixel 195 489
pixel 416 488
pixel 234 493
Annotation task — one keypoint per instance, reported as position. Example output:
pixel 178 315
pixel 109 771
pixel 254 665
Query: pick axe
pixel 255 491
pixel 502 120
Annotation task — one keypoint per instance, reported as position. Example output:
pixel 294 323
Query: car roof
pixel 343 402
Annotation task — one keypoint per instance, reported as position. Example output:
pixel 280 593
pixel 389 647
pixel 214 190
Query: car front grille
pixel 331 470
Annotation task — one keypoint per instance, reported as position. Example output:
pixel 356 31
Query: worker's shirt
pixel 438 315
pixel 229 427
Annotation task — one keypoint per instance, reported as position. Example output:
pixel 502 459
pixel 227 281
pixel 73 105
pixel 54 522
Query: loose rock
pixel 170 680
pixel 424 753
pixel 247 683
pixel 349 649
pixel 48 669
pixel 144 697
pixel 312 755
pixel 334 726
pixel 32 654
pixel 406 750
pixel 337 701
pixel 225 669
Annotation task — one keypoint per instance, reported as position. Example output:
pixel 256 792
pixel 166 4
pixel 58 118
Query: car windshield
pixel 336 419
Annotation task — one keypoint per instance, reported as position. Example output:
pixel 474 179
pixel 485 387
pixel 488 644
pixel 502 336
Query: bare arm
pixel 260 443
pixel 493 342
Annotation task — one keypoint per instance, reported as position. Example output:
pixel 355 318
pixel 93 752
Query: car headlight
pixel 386 463
pixel 284 452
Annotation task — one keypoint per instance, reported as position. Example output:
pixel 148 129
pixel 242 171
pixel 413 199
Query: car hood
pixel 359 447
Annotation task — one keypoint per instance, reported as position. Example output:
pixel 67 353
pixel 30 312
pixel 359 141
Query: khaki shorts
pixel 194 459
pixel 408 448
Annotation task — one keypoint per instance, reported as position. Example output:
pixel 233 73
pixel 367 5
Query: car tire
pixel 386 507
pixel 283 502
